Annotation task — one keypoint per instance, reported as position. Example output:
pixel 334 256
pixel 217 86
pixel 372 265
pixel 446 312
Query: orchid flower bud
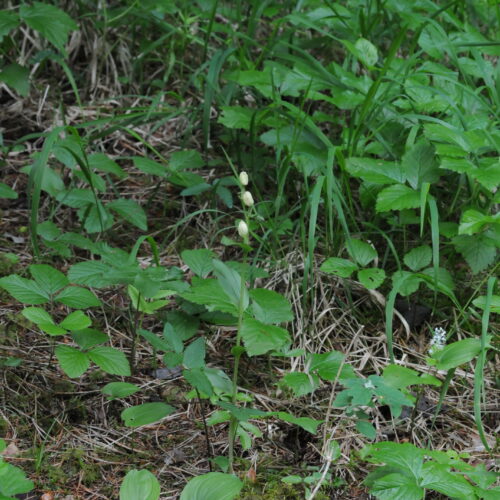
pixel 243 178
pixel 242 229
pixel 247 198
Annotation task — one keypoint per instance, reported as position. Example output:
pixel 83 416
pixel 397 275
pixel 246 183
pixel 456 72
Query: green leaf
pixel 260 338
pixel 17 77
pixel 51 280
pixel 13 481
pixel 78 298
pixel 140 485
pixel 397 197
pixel 184 325
pixel 401 377
pixel 376 171
pixel 209 293
pixel 308 424
pixel 182 160
pixel 73 362
pixel 363 253
pixel 327 366
pixel 90 273
pixel 53 23
pixel 420 165
pixel 338 267
pixel 480 302
pixel 418 258
pixel 404 456
pixel 158 343
pixel 199 261
pixel 242 414
pixel 366 52
pixel 77 320
pixel 110 360
pixel 199 380
pixel 145 414
pixel 119 390
pixel 212 486
pixel 150 167
pixel 37 315
pixel 24 290
pixel 438 477
pixel 9 20
pixel 270 307
pixel 232 284
pixel 457 353
pixel 194 355
pixel 473 222
pixel 301 383
pixel 236 117
pixel 405 282
pixel 366 428
pixel 104 163
pixel 7 191
pixel 397 487
pixel 371 278
pixel 479 251
pixel 131 211
pixel 88 337
pixel 96 218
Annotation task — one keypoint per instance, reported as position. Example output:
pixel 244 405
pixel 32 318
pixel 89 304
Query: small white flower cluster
pixel 438 340
pixel 247 200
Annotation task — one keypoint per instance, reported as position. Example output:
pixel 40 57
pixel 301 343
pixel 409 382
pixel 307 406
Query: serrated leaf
pixel 13 481
pixel 209 292
pixel 78 298
pixel 397 197
pixel 77 320
pixel 212 486
pixel 371 278
pixel 260 338
pixel 145 414
pixel 363 253
pixel 131 211
pixel 73 362
pixel 104 163
pixel 150 167
pixel 338 267
pixel 17 77
pixel 37 315
pixel 140 484
pixel 199 380
pixel 406 282
pixel 270 307
pixel 418 258
pixel 110 360
pixel 327 366
pixel 199 261
pixel 479 251
pixel 301 383
pixel 194 354
pixel 182 160
pixel 90 273
pixel 50 279
pixel 53 23
pixel 24 290
pixel 420 165
pixel 88 337
pixel 376 171
pixel 366 52
pixel 473 221
pixel 9 20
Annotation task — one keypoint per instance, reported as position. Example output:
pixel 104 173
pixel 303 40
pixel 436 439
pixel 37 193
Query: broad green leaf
pixel 366 428
pixel 270 307
pixel 157 342
pixel 96 218
pixel 78 298
pixel 473 221
pixel 209 293
pixel 397 197
pixel 13 481
pixel 260 338
pixel 308 424
pixel 199 380
pixel 363 253
pixel 119 390
pixel 51 280
pixel 397 487
pixel 53 23
pixel 199 261
pixel 457 354
pixel 37 315
pixel 182 160
pixel 236 117
pixel 479 251
pixel 366 52
pixel 419 165
pixel 232 284
pixel 140 485
pixel 149 166
pixel 437 477
pixel 77 320
pixel 371 278
pixel 212 486
pixel 418 258
pixel 405 456
pixel 480 302
pixel 90 273
pixel 145 414
pixel 73 362
pixel 24 290
pixel 131 211
pixel 104 163
pixel 339 267
pixel 376 171
pixel 184 325
pixel 194 354
pixel 401 377
pixel 301 383
pixel 9 20
pixel 327 366
pixel 17 77
pixel 240 413
pixel 406 282
pixel 110 360
pixel 88 337
pixel 7 191
pixel 488 175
